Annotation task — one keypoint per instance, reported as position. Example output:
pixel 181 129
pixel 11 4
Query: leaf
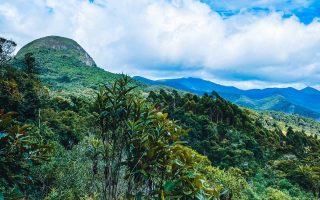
pixel 162 195
pixel 187 192
pixel 170 185
pixel 200 196
pixel 178 162
pixel 2 135
pixel 138 196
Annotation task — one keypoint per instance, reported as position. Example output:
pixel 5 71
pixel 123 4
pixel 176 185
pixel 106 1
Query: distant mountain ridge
pixel 305 102
pixel 64 65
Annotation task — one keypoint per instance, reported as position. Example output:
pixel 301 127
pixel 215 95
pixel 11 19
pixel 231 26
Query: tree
pixel 7 47
pixel 143 151
pixel 115 107
pixel 30 63
pixel 19 151
pixel 160 167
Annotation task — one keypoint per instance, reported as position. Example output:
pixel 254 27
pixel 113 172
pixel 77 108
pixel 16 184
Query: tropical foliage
pixel 119 141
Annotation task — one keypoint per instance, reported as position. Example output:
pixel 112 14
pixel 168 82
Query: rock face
pixel 58 48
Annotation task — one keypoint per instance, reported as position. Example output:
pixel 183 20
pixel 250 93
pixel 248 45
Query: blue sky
pixel 305 10
pixel 245 43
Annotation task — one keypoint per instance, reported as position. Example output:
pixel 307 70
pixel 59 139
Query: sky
pixel 244 43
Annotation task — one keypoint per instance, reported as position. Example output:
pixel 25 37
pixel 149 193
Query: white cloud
pixel 160 39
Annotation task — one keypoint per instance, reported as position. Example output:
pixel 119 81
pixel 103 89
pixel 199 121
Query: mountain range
pixel 304 102
pixel 64 65
pixel 190 146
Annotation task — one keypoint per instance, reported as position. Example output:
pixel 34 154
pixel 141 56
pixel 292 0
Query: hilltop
pixel 64 49
pixel 62 64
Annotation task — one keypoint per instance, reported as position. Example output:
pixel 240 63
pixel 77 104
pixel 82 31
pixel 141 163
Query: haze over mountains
pixel 305 102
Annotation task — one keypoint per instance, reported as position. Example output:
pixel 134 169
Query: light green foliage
pixel 234 184
pixel 274 194
pixel 273 120
pixel 67 175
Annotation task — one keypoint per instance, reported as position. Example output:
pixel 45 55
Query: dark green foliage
pixel 218 128
pixel 21 90
pixel 230 137
pixel 30 63
pixel 18 152
pixel 21 93
pixel 145 145
pixel 113 143
pixel 68 125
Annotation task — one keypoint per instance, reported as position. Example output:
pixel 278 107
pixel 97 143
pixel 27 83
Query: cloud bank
pixel 172 38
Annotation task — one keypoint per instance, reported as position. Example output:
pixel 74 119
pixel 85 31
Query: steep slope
pixel 63 64
pixel 67 50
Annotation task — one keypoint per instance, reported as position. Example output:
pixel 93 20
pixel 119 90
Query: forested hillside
pixel 121 141
pixel 284 121
pixel 302 102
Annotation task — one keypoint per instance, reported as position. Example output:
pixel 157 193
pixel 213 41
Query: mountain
pixel 186 146
pixel 305 102
pixel 63 64
pixel 308 97
pixel 195 85
pixel 58 48
pixel 310 91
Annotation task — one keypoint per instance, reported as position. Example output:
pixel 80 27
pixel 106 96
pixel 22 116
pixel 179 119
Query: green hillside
pixel 129 140
pixel 276 103
pixel 284 121
pixel 63 64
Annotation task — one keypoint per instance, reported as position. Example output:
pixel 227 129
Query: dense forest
pixel 123 142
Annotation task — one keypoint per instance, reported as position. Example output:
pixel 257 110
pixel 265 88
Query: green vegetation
pixel 284 121
pixel 230 137
pixel 80 139
pixel 289 100
pixel 63 65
